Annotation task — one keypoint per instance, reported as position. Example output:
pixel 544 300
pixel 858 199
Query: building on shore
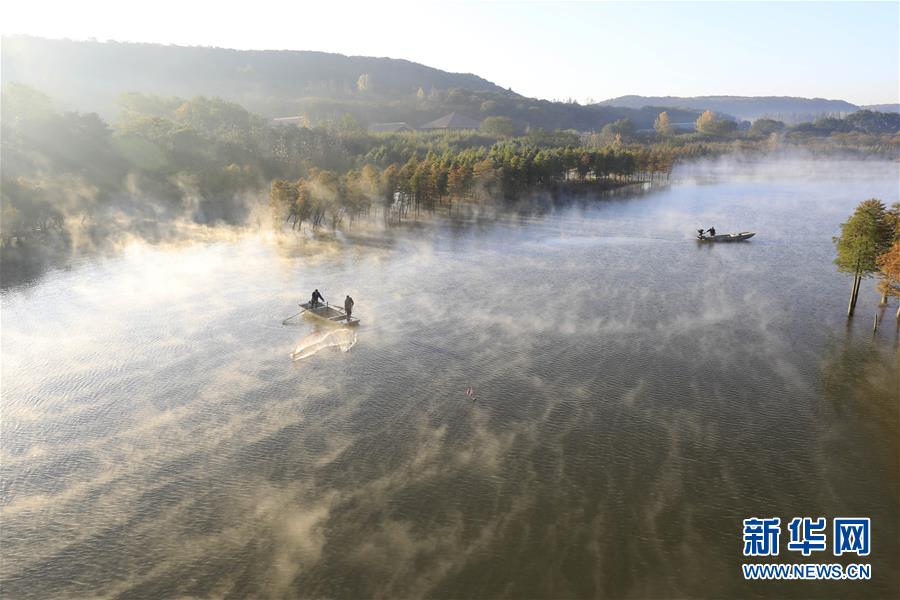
pixel 453 121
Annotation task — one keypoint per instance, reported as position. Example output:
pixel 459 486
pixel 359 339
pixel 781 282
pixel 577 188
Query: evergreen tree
pixel 866 235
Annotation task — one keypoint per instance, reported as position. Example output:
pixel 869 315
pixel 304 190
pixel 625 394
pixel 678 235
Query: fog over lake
pixel 638 396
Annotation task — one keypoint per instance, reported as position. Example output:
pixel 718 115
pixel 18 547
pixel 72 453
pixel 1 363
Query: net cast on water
pixel 342 338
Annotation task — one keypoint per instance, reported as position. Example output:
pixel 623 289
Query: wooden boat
pixel 727 237
pixel 328 312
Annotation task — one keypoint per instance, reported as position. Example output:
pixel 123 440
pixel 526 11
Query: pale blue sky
pixel 848 50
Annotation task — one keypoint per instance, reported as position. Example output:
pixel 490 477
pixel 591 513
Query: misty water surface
pixel 638 395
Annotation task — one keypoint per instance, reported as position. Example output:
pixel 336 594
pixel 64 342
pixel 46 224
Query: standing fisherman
pixel 348 306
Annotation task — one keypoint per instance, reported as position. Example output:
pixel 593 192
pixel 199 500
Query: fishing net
pixel 342 338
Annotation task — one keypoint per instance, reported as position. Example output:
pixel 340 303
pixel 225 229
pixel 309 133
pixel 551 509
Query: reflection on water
pixel 340 337
pixel 638 397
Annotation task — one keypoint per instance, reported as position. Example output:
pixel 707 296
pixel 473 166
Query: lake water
pixel 637 396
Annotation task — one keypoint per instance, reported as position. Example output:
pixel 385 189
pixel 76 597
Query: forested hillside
pixel 91 74
pixel 320 87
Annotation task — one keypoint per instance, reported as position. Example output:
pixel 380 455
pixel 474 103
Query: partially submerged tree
pixel 866 235
pixel 889 262
pixel 889 270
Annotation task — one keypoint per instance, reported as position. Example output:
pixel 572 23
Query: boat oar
pixel 302 311
pixel 292 316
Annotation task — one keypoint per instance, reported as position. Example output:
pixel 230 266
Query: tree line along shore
pixel 505 172
pixel 206 161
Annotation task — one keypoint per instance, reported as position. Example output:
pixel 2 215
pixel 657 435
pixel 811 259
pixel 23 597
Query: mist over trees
pixel 66 169
pixel 207 160
pixel 147 140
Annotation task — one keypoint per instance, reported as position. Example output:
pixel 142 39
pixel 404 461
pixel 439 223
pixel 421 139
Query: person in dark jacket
pixel 712 231
pixel 316 299
pixel 348 306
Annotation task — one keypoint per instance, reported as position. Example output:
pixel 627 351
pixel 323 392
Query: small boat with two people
pixel 723 237
pixel 330 313
pixel 317 307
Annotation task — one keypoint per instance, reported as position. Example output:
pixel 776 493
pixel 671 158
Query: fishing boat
pixel 329 312
pixel 727 237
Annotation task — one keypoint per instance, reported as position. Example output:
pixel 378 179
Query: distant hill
pixel 785 108
pixel 892 108
pixel 312 86
pixel 89 75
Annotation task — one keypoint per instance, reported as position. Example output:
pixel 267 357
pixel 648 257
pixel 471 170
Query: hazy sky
pixel 848 50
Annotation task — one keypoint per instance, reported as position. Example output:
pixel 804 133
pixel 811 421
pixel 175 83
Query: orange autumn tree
pixel 889 262
pixel 889 271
